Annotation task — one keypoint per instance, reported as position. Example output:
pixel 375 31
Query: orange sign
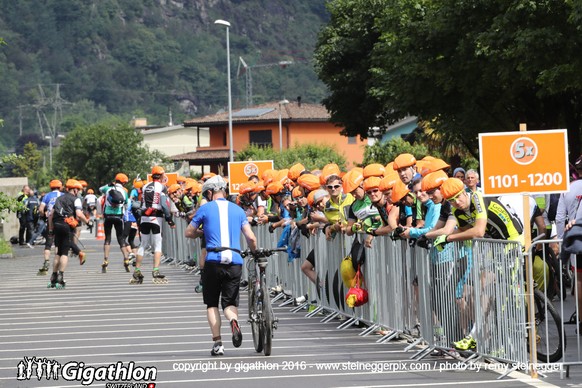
pixel 524 162
pixel 239 172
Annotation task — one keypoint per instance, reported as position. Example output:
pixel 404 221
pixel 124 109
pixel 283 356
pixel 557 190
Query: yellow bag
pixel 347 271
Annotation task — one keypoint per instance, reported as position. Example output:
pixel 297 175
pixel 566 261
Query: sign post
pixel 524 163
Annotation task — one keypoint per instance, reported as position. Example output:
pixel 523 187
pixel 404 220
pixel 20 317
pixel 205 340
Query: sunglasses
pixel 453 199
pixel 299 197
pixel 333 187
pixel 372 191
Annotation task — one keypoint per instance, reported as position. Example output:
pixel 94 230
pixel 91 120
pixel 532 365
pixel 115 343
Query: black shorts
pixel 221 281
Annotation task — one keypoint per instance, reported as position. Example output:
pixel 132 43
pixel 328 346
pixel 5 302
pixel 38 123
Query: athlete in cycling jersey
pixel 476 218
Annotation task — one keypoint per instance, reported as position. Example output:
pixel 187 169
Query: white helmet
pixel 215 183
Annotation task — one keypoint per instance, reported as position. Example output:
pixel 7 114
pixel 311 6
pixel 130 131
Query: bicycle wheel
pixel 548 330
pixel 267 318
pixel 254 317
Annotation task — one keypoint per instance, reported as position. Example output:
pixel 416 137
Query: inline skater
pixel 63 219
pixel 45 208
pixel 116 201
pixel 155 205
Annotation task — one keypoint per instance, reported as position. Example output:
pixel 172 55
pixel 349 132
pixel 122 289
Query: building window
pixel 262 138
pixel 352 140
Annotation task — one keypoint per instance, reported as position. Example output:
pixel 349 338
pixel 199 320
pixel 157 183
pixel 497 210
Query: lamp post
pixel 50 139
pixel 227 25
pixel 281 103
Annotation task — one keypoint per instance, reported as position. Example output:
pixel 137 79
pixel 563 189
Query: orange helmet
pixel 138 183
pixel 83 183
pixel 193 187
pixel 173 188
pixel 121 177
pixel 207 176
pixel 295 171
pixel 372 182
pixel 180 179
pixel 327 171
pixel 399 191
pixel 404 160
pixel 282 175
pixel 374 169
pixel 452 187
pixel 298 192
pixel 247 187
pixel 73 184
pixel 388 181
pixel 310 197
pixel 433 180
pixel 259 187
pixel 274 188
pixel 158 170
pixel 90 191
pixel 268 173
pixel 352 180
pixel 309 182
pixel 55 184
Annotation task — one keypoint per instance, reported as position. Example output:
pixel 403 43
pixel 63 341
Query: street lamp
pixel 227 25
pixel 50 139
pixel 281 103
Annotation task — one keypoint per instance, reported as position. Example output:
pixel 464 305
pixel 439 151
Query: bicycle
pixel 551 344
pixel 261 316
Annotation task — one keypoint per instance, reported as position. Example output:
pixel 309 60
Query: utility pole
pixel 247 70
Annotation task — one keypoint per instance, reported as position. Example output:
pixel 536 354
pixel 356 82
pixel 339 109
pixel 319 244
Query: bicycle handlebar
pixel 262 252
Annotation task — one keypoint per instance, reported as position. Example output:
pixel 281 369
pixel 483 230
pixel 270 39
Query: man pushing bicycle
pixel 221 222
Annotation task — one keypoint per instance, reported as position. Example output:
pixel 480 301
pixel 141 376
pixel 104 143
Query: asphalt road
pixel 99 320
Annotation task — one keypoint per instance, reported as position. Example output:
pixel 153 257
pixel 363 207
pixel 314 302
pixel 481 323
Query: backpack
pixel 115 198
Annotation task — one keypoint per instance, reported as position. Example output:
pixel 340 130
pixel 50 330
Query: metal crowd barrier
pixel 561 289
pixel 431 298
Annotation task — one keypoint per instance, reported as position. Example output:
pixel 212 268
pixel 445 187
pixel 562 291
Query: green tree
pixel 312 156
pixel 386 152
pixel 97 153
pixel 29 163
pixel 465 66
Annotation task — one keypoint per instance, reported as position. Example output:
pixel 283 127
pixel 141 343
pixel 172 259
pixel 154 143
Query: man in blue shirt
pixel 222 223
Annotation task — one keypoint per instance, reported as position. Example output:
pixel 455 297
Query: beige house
pixel 175 140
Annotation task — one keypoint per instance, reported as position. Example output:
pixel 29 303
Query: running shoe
pixel 217 350
pixel 467 343
pixel 236 333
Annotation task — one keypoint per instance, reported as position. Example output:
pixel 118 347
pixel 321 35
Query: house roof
pixel 292 111
pixel 203 156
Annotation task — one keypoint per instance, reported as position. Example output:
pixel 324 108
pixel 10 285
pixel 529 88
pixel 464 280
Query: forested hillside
pixel 145 58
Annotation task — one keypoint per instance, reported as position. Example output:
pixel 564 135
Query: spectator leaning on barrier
pixel 431 217
pixel 336 208
pixel 477 218
pixel 372 188
pixel 446 222
pixel 222 223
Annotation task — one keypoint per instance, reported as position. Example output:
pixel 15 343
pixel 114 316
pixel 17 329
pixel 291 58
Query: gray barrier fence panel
pixel 435 297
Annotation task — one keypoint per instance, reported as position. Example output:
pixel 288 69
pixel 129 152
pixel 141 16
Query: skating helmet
pixel 55 184
pixel 121 177
pixel 158 170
